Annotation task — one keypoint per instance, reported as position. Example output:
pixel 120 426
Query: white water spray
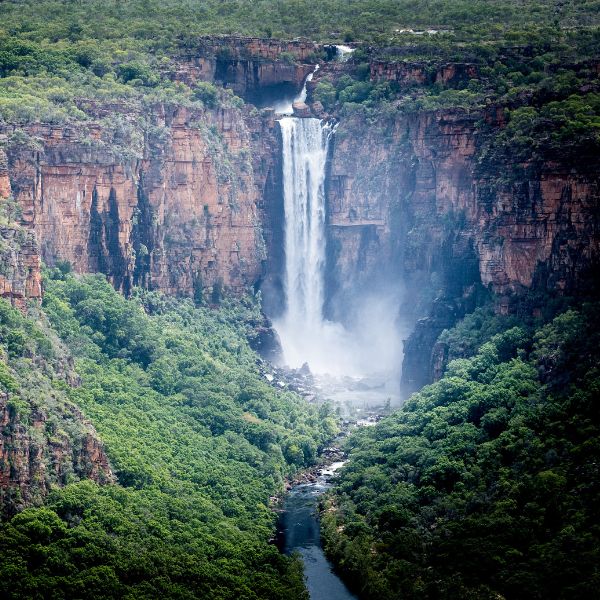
pixel 306 336
pixel 343 52
pixel 369 346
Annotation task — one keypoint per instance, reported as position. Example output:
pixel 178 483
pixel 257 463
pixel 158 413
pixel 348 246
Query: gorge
pixel 222 242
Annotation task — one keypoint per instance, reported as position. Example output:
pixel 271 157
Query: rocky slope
pixel 45 448
pixel 45 440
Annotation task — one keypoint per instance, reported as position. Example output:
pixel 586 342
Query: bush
pixel 206 93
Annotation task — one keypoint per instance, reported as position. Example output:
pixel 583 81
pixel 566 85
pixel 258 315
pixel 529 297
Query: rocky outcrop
pixel 407 73
pixel 5 189
pixel 39 451
pixel 254 68
pixel 20 269
pixel 182 216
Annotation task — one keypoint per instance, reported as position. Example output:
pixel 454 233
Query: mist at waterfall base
pixel 368 342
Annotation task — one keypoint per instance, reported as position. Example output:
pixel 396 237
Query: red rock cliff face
pixel 20 275
pixel 248 66
pixel 411 73
pixel 418 181
pixel 35 455
pixel 411 200
pixel 182 216
pixel 5 189
pixel 20 278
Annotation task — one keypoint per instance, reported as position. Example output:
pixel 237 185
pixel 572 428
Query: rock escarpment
pixel 254 68
pixel 415 201
pixel 189 201
pixel 174 207
pixel 20 271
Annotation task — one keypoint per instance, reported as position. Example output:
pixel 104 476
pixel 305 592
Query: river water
pixel 300 533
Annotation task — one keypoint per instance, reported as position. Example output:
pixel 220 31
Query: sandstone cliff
pixel 254 68
pixel 413 201
pixel 189 201
pixel 180 215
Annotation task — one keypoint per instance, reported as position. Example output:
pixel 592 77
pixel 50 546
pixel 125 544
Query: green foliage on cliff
pixel 485 484
pixel 198 440
pixel 567 129
pixel 55 55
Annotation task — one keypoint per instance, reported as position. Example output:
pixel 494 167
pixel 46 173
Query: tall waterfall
pixel 305 335
pixel 367 346
pixel 305 144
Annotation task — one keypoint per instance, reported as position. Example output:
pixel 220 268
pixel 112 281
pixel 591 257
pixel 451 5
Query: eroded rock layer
pixel 44 449
pixel 181 216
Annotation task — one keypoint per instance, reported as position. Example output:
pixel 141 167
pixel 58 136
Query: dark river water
pixel 299 531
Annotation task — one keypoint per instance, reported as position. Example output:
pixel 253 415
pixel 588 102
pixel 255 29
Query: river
pixel 299 532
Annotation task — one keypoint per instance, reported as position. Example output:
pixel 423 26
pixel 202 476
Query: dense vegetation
pixel 545 81
pixel 158 24
pixel 198 441
pixel 485 484
pixel 54 58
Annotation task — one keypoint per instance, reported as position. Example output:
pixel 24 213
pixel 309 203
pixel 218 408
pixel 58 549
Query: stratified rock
pixel 247 65
pixel 182 218
pixel 5 189
pixel 20 274
pixel 35 456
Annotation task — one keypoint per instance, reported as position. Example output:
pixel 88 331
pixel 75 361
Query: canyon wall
pixel 182 216
pixel 20 269
pixel 413 201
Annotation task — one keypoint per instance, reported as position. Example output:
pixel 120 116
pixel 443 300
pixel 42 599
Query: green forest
pixel 533 58
pixel 197 438
pixel 485 483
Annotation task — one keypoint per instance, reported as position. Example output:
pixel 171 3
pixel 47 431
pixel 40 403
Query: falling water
pixel 305 145
pixel 286 107
pixel 306 336
pixel 369 346
pixel 343 52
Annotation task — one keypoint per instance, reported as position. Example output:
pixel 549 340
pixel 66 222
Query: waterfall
pixel 305 144
pixel 368 344
pixel 286 107
pixel 343 52
pixel 306 336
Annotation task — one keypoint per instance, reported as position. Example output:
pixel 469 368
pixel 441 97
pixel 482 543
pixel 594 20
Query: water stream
pixel 300 531
pixel 307 336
